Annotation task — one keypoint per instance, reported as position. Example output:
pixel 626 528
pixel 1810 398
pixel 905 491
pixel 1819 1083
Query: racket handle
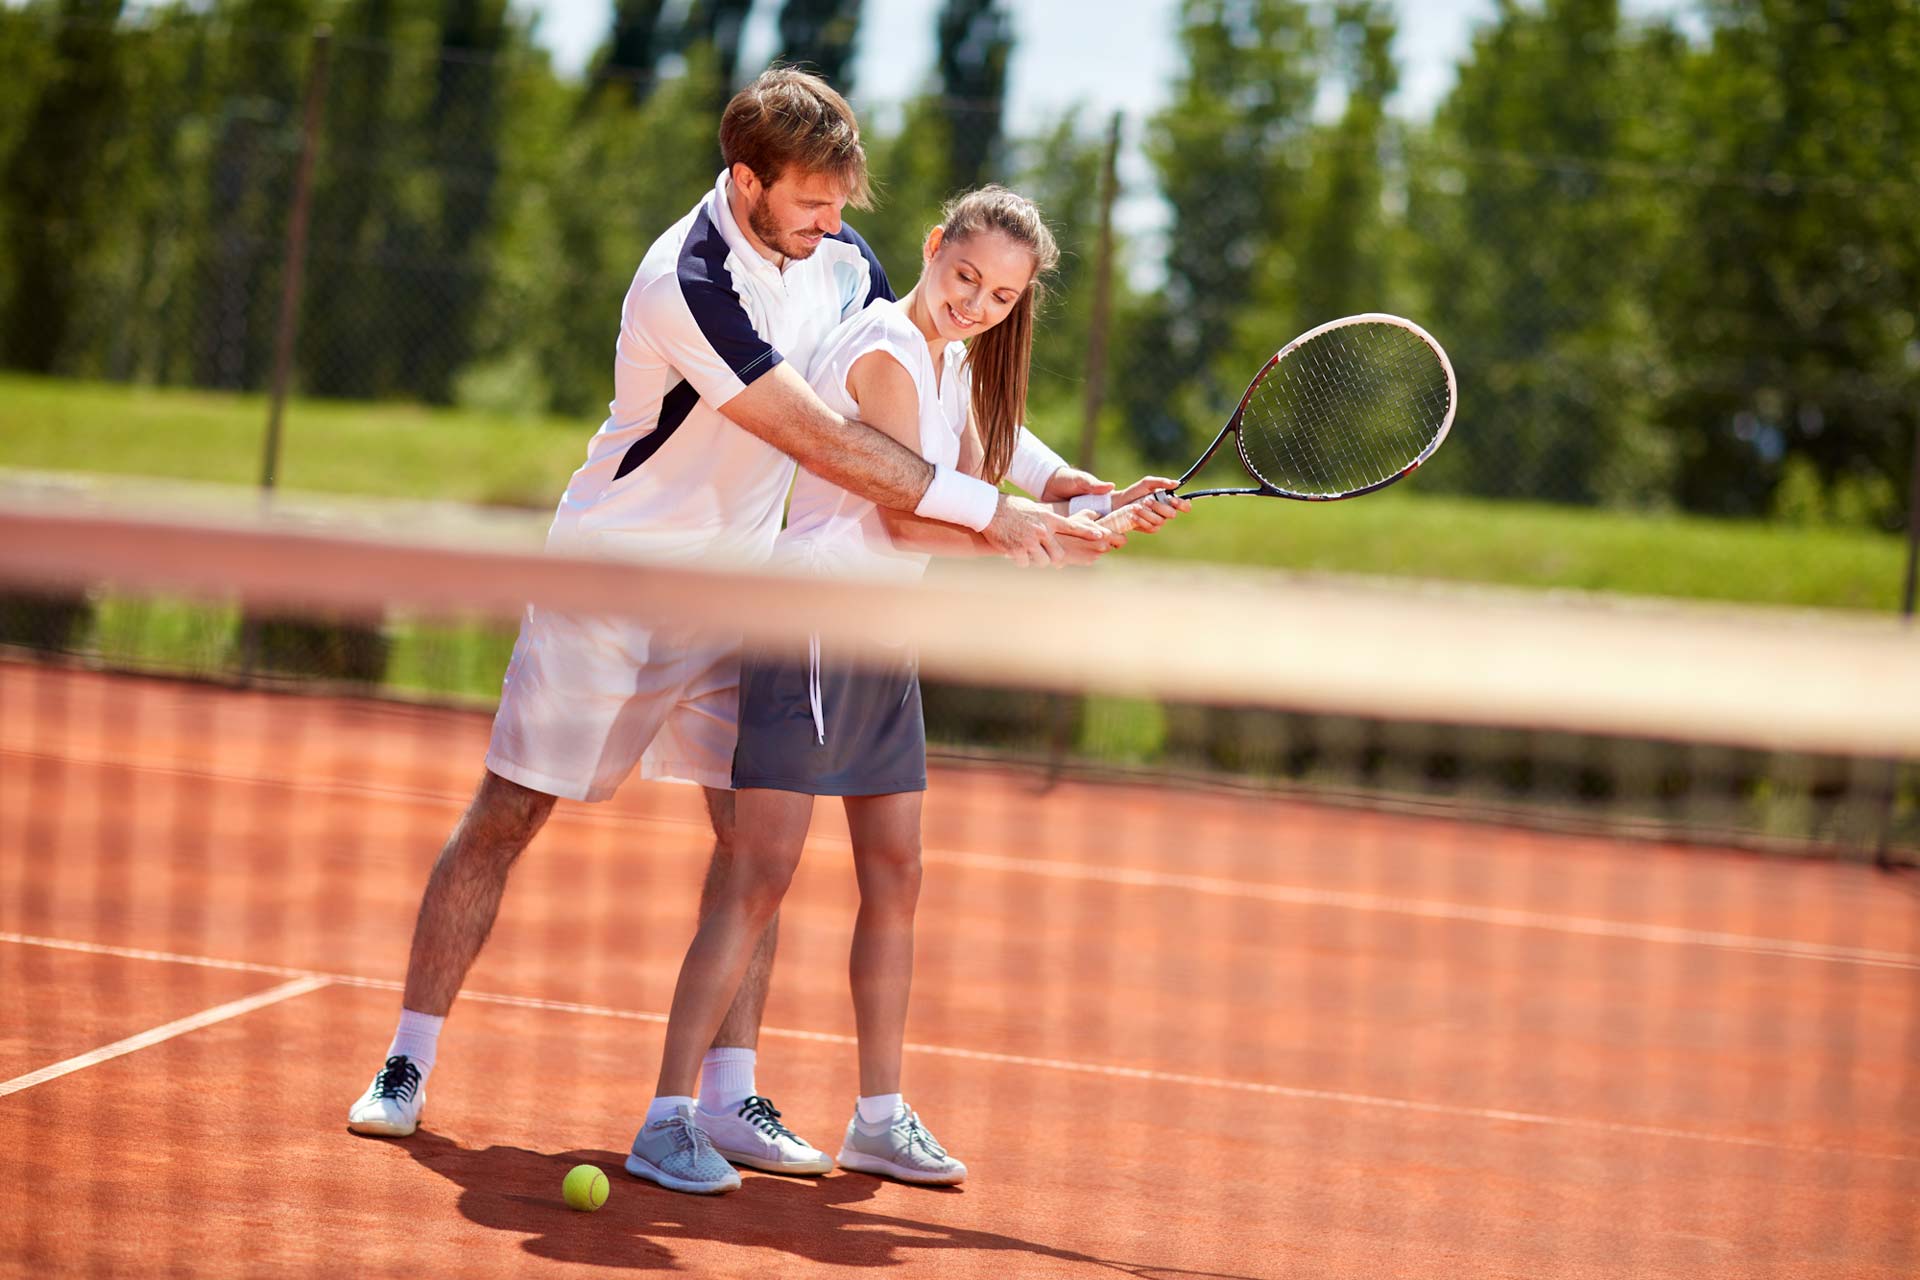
pixel 1098 503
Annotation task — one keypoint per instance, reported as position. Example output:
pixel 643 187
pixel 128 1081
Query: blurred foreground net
pixel 1421 919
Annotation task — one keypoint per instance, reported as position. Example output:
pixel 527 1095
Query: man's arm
pixel 780 408
pixel 783 410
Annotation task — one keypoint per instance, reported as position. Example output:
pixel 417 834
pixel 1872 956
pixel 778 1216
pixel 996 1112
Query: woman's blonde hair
pixel 1000 360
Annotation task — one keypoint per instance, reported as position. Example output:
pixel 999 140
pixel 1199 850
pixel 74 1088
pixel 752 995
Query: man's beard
pixel 760 221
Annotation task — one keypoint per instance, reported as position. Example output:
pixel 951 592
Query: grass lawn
pixel 393 450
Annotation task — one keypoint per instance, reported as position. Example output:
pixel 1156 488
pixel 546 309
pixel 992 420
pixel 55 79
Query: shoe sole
pixel 640 1168
pixel 811 1169
pixel 382 1128
pixel 887 1169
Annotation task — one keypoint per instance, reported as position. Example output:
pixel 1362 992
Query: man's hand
pixel 1070 482
pixel 1028 535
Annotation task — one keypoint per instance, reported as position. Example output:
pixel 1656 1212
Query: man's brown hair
pixel 789 119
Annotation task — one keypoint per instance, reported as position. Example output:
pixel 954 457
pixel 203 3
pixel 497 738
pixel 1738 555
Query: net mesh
pixel 1346 410
pixel 1559 936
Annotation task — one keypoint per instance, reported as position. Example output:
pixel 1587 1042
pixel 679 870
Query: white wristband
pixel 958 498
pixel 1098 503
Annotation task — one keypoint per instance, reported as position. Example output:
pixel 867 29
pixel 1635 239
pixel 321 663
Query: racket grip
pixel 1098 503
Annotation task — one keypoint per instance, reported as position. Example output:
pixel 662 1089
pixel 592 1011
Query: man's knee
pixel 504 817
pixel 720 817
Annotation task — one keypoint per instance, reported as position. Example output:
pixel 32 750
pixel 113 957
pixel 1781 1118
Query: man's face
pixel 793 215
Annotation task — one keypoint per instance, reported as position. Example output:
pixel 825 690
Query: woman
pixel 944 371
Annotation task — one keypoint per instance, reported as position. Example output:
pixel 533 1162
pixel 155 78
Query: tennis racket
pixel 1342 410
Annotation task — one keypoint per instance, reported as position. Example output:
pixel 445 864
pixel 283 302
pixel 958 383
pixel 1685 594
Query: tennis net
pixel 1270 924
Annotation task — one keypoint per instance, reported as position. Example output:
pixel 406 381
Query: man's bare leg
pixel 463 893
pixel 456 915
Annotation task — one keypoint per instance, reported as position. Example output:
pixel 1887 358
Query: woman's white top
pixel 831 530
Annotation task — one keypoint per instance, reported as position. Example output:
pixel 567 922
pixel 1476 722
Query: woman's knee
pixel 890 870
pixel 757 881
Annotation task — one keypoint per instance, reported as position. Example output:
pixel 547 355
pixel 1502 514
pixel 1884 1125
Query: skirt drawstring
pixel 813 689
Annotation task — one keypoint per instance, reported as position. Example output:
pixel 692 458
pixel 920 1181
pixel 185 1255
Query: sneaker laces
pixel 398 1079
pixel 919 1137
pixel 759 1112
pixel 688 1136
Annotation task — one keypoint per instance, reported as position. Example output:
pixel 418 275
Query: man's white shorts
pixel 588 698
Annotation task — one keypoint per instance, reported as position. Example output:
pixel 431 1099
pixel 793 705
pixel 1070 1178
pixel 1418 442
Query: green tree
pixel 820 35
pixel 628 62
pixel 719 25
pixel 912 182
pixel 259 66
pixel 1344 263
pixel 58 183
pixel 1539 235
pixel 463 127
pixel 975 44
pixel 1060 170
pixel 582 198
pixel 1229 148
pixel 365 238
pixel 1790 311
pixel 139 314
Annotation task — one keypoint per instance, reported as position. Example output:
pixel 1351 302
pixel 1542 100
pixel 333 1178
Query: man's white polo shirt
pixel 668 475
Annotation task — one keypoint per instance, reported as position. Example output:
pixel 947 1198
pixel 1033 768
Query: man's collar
pixel 729 229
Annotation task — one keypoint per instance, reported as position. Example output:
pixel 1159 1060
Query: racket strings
pixel 1348 409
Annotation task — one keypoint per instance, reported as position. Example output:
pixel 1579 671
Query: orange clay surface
pixel 1172 1033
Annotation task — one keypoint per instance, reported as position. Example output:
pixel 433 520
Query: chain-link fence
pixel 1634 329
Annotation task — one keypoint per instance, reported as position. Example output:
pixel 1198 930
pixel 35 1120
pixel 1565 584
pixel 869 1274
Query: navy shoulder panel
pixel 708 288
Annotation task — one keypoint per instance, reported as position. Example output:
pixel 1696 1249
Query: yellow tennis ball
pixel 585 1188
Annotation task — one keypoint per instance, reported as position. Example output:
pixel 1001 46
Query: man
pixel 710 413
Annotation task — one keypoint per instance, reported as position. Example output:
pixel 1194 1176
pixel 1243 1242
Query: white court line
pixel 1290 895
pixel 1371 1101
pixel 1436 910
pixel 179 1027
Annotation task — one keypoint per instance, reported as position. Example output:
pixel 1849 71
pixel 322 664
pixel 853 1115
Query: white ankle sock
pixel 661 1108
pixel 878 1108
pixel 726 1079
pixel 417 1038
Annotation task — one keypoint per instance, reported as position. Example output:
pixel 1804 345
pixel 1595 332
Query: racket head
pixel 1346 408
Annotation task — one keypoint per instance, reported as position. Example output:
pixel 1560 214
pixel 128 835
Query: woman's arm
pixel 915 533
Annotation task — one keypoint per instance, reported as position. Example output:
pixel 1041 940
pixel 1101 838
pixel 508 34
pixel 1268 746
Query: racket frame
pixel 1265 490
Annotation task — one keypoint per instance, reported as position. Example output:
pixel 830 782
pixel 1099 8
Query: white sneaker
pixel 752 1135
pixel 899 1148
pixel 675 1153
pixel 390 1108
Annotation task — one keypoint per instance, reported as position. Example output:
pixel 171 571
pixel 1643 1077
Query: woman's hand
pixel 1145 505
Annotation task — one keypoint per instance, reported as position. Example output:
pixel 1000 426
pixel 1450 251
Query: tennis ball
pixel 585 1188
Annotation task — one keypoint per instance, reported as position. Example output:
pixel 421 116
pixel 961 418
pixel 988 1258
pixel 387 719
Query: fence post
pixel 294 266
pixel 1060 728
pixel 1102 302
pixel 1883 856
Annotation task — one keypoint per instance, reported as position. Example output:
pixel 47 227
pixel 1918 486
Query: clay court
pixel 1172 1032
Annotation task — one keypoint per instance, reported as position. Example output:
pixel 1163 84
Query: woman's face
pixel 971 284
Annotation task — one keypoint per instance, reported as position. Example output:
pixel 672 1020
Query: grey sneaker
pixel 676 1154
pixel 901 1149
